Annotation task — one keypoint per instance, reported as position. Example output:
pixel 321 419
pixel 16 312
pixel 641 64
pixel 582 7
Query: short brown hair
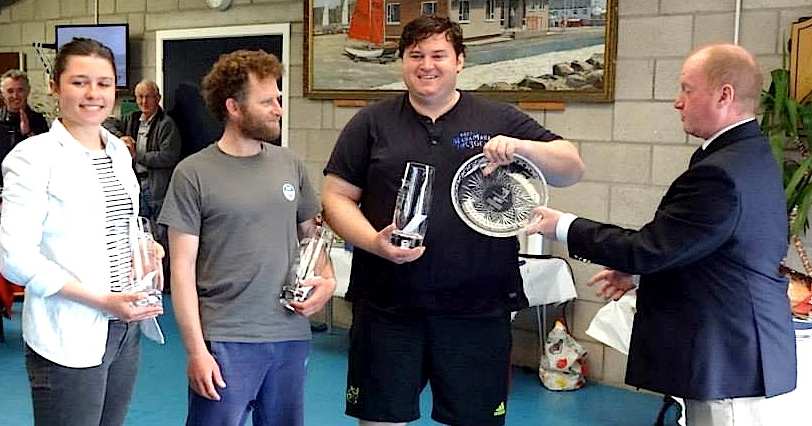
pixel 80 47
pixel 425 26
pixel 228 77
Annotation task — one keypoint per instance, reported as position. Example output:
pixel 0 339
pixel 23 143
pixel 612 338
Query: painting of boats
pixel 516 50
pixel 366 37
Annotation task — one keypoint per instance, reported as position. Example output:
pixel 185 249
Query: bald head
pixel 730 64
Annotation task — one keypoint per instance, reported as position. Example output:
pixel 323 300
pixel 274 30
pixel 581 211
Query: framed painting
pixel 516 50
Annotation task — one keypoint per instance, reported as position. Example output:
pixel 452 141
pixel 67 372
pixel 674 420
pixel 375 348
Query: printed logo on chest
pixel 470 140
pixel 288 191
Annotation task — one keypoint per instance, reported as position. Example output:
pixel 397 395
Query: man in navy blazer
pixel 713 322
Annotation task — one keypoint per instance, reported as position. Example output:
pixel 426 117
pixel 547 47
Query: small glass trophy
pixel 147 267
pixel 412 205
pixel 314 253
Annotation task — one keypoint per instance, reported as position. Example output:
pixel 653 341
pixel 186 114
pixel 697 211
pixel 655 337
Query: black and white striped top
pixel 118 210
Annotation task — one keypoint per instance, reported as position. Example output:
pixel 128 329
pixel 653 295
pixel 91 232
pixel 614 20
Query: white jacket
pixel 53 229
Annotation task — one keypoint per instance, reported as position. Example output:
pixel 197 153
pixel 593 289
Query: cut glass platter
pixel 499 204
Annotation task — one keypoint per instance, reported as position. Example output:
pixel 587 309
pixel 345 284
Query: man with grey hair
pixel 17 120
pixel 154 142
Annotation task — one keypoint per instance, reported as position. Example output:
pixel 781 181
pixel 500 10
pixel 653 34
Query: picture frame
pixel 516 50
pixel 12 61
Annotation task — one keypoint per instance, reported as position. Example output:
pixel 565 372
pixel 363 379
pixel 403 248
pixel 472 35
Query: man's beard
pixel 253 127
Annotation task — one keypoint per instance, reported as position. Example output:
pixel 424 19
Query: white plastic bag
pixel 562 365
pixel 612 325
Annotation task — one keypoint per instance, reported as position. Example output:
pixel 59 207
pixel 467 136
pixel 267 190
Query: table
pixel 795 401
pixel 547 280
pixel 609 331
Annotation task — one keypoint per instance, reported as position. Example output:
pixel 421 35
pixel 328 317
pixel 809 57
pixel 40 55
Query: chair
pixel 8 294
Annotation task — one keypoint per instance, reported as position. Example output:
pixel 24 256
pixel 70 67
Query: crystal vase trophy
pixel 314 253
pixel 147 267
pixel 412 205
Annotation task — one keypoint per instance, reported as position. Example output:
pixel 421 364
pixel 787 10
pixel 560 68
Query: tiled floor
pixel 160 398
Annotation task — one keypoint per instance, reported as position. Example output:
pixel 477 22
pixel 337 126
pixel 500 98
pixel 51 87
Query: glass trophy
pixel 314 253
pixel 147 267
pixel 412 205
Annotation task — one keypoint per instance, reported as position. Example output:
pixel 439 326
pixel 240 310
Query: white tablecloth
pixel 342 262
pixel 545 280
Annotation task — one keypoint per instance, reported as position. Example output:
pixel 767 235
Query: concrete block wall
pixel 633 147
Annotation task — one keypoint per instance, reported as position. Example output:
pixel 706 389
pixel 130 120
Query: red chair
pixel 8 293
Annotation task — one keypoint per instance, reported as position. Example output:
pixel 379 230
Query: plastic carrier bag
pixel 563 364
pixel 612 324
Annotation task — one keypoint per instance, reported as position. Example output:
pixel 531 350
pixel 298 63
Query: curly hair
pixel 228 77
pixel 426 26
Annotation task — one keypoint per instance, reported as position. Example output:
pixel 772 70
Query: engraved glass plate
pixel 498 205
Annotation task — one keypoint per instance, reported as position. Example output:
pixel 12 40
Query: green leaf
pixel 797 176
pixel 781 90
pixel 777 148
pixel 806 123
pixel 784 121
pixel 802 216
pixel 791 123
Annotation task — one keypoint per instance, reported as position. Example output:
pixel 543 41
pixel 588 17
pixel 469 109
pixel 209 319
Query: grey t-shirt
pixel 245 211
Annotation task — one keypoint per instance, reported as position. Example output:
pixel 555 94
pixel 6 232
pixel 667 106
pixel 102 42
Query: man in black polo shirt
pixel 438 313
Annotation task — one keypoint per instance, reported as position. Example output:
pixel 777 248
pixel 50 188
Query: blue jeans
pixel 150 207
pixel 266 378
pixel 91 396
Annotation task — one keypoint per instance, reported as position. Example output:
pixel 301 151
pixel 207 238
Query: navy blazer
pixel 713 318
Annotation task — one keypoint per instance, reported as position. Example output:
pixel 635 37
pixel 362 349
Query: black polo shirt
pixel 462 272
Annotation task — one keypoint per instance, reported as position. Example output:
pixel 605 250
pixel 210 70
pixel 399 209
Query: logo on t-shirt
pixel 470 140
pixel 288 191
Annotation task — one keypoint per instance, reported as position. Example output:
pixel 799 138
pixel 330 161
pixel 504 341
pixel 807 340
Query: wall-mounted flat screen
pixel 114 36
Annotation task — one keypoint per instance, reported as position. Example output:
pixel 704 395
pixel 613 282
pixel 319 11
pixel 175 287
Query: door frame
pixel 232 31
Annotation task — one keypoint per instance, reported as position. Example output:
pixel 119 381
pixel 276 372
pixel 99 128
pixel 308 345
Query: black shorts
pixel 392 357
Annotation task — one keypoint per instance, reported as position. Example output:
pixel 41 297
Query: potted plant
pixel 787 123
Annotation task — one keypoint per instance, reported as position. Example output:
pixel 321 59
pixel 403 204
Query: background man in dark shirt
pixel 17 120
